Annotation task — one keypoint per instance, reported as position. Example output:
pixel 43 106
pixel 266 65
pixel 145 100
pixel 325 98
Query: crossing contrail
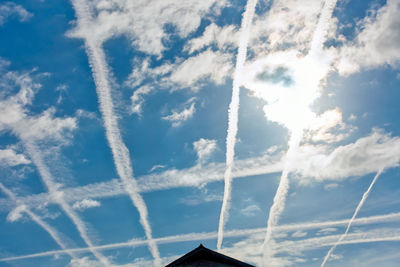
pixel 364 197
pixel 296 133
pixel 52 187
pixel 52 232
pixel 247 19
pixel 306 244
pixel 119 150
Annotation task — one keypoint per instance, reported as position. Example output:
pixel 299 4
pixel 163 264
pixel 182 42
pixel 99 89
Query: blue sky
pixel 115 116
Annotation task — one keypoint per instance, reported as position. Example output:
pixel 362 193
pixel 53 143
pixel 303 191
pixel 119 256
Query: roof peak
pixel 201 253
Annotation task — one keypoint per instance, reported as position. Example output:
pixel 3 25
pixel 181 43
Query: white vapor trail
pixel 284 246
pixel 52 232
pixel 52 187
pixel 247 19
pixel 296 134
pixel 364 197
pixel 119 151
pixel 190 177
pixel 278 204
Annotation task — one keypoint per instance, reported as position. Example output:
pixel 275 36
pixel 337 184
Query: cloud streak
pixel 295 124
pixel 343 236
pixel 320 163
pixel 50 230
pixel 40 129
pixel 58 197
pixel 305 244
pixel 10 9
pixel 119 151
pixel 233 116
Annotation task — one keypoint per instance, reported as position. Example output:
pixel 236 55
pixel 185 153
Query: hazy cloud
pixel 178 117
pixel 9 10
pixel 86 204
pixel 204 148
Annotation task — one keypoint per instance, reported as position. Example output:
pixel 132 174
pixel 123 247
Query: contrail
pixel 233 116
pixel 119 151
pixel 322 27
pixel 310 243
pixel 52 187
pixel 52 232
pixel 278 204
pixel 173 178
pixel 296 134
pixel 364 197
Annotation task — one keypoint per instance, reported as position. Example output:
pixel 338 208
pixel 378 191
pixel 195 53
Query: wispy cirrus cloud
pixel 9 10
pixel 178 117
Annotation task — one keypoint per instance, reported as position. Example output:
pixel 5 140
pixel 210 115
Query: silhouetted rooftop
pixel 204 257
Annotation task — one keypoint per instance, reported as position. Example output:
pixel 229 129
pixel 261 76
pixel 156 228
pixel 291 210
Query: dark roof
pixel 201 254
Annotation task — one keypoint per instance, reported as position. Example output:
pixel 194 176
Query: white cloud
pixel 299 233
pixel 156 167
pixel 204 197
pixel 185 73
pixel 250 210
pixel 329 127
pixel 327 230
pixel 352 117
pixel 204 148
pixel 86 204
pixel 367 155
pixel 138 99
pixel 289 83
pixel 144 21
pixel 46 125
pixel 178 117
pixel 313 163
pixel 9 157
pixel 335 257
pixel 288 23
pixel 221 36
pixel 377 42
pixel 9 9
pixel 330 186
pixel 208 64
pixel 16 116
pixel 16 214
pixel 84 262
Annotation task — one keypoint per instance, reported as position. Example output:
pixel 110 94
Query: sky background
pixel 114 119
